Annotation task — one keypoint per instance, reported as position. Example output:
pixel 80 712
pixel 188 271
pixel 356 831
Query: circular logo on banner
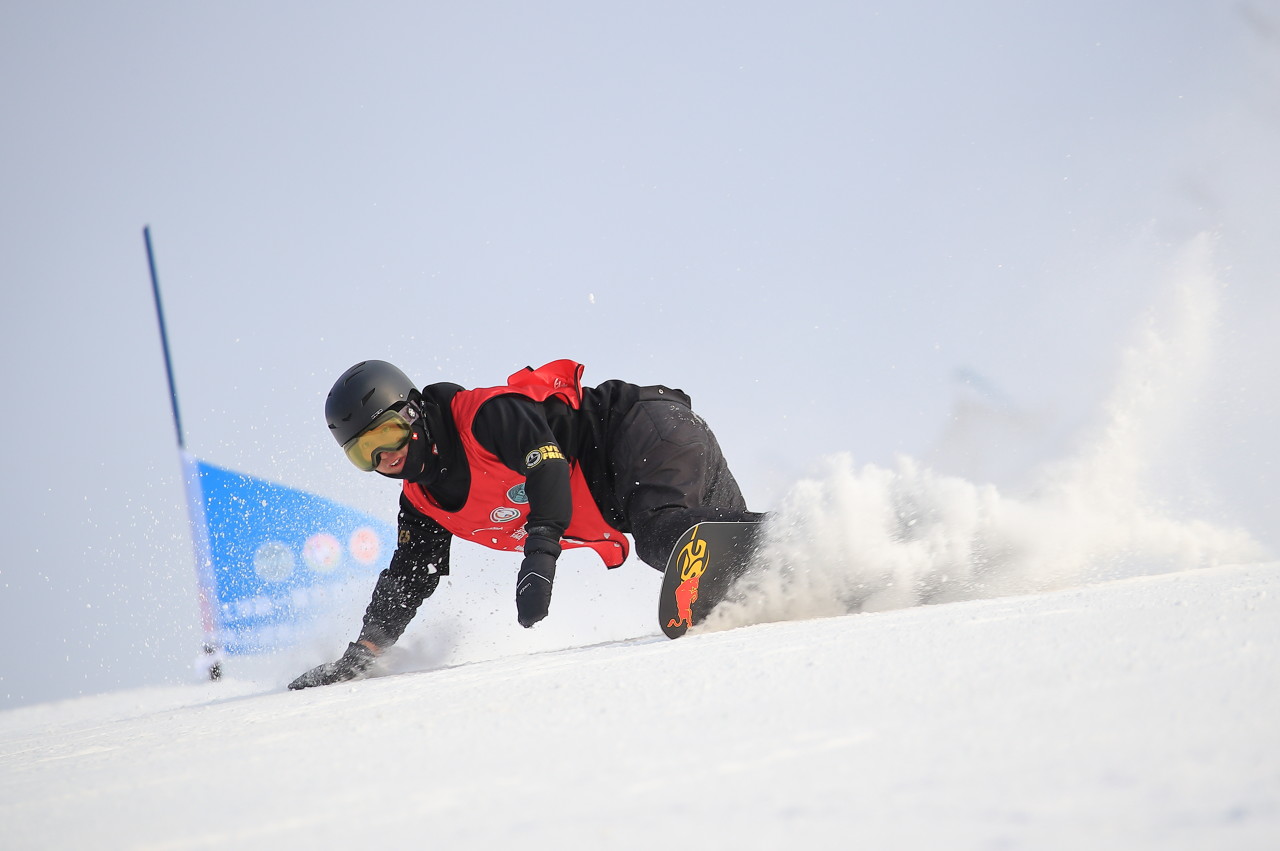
pixel 517 495
pixel 364 545
pixel 273 562
pixel 504 513
pixel 322 552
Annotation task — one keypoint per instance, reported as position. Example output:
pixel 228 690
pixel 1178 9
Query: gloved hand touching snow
pixel 354 664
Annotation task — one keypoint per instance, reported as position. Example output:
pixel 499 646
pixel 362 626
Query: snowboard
pixel 703 565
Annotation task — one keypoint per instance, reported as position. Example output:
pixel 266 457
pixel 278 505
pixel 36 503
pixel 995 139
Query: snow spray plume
pixel 870 539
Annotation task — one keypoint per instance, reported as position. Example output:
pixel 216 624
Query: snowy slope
pixel 1138 713
pixel 917 660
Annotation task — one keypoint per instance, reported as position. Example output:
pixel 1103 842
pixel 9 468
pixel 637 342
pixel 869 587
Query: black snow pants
pixel 669 473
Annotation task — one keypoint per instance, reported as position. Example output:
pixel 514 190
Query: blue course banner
pixel 273 554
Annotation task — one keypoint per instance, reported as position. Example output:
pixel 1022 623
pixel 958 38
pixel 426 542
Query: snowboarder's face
pixel 388 433
pixel 391 462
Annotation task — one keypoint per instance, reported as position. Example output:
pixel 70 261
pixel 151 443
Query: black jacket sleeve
pixel 420 559
pixel 516 429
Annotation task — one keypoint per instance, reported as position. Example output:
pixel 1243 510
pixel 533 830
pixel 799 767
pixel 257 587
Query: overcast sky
pixel 828 221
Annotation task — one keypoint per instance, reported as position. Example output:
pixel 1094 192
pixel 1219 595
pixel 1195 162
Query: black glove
pixel 353 665
pixel 533 583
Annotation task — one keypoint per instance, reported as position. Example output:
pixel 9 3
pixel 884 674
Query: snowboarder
pixel 534 466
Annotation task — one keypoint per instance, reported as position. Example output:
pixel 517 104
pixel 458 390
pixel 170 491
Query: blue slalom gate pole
pixel 164 337
pixel 211 653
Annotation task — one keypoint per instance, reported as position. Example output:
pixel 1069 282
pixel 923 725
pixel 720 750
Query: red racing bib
pixel 497 507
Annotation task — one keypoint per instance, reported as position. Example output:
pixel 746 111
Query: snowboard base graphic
pixel 703 565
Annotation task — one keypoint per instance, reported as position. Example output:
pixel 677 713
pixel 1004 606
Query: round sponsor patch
pixel 503 514
pixel 545 452
pixel 517 495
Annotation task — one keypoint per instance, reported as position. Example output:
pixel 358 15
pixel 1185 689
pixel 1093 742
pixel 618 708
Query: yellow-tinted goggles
pixel 389 432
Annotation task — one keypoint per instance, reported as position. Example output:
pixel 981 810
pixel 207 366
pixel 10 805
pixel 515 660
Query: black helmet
pixel 362 393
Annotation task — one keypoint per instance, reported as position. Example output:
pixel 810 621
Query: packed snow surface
pixel 1139 713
